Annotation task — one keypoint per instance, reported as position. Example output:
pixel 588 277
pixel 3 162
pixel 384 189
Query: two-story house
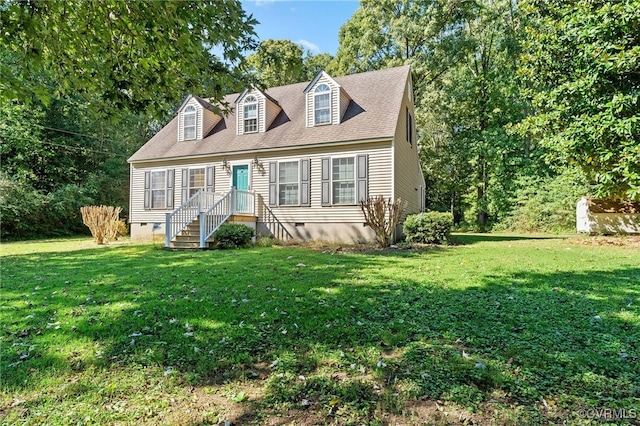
pixel 292 161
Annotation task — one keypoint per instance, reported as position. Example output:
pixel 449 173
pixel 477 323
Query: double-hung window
pixel 158 189
pixel 250 113
pixel 189 122
pixel 322 104
pixel 196 180
pixel 343 180
pixel 288 183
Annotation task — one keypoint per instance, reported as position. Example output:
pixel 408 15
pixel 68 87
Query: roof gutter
pixel 263 150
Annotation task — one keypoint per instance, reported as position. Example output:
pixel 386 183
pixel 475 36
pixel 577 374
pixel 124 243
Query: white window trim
pixel 278 182
pixel 248 102
pixel 193 112
pixel 163 189
pixel 233 164
pixel 355 180
pixel 315 94
pixel 204 181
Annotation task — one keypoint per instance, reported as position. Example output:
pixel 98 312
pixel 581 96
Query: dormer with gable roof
pixel 196 118
pixel 326 101
pixel 255 111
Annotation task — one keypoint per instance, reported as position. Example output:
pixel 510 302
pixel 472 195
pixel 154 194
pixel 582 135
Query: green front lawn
pixel 502 330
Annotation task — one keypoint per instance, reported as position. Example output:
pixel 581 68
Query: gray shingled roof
pixel 372 114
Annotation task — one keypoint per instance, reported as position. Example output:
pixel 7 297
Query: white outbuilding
pixel 595 216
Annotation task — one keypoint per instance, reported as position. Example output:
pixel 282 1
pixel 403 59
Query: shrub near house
pixel 428 228
pixel 232 235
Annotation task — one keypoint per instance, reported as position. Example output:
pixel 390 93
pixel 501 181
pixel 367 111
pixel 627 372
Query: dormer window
pixel 250 114
pixel 322 104
pixel 189 117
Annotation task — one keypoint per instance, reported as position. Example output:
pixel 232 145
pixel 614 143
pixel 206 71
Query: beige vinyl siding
pixel 261 115
pixel 335 105
pixel 240 118
pixel 379 183
pixel 199 119
pixel 210 120
pixel 199 122
pixel 344 103
pixel 408 172
pixel 180 127
pixel 271 112
pixel 267 112
pixel 137 211
pixel 335 101
pixel 379 156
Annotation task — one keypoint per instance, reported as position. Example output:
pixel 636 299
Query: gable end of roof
pixel 318 76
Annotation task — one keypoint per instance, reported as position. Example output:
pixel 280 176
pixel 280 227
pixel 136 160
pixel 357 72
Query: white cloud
pixel 308 45
pixel 264 2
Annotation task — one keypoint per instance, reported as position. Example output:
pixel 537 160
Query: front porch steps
pixel 189 238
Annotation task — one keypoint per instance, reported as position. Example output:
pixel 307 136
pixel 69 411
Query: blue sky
pixel 314 24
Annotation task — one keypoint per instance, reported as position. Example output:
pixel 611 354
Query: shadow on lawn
pixel 474 238
pixel 227 316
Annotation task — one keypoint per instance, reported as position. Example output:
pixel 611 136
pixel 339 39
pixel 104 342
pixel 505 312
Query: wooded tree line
pixel 521 107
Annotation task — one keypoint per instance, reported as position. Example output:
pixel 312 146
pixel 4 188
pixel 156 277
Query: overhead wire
pixel 77 148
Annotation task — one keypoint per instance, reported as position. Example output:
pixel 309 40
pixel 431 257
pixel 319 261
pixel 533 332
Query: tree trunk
pixel 482 182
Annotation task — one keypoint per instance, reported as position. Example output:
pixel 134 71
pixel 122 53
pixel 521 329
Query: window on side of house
pixel 409 120
pixel 288 183
pixel 343 179
pixel 250 114
pixel 189 122
pixel 322 104
pixel 196 180
pixel 158 189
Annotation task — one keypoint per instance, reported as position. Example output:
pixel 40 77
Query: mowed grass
pixel 499 330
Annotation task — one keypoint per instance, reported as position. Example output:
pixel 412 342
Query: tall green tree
pixel 59 157
pixel 313 64
pixel 81 83
pixel 481 96
pixel 281 62
pixel 386 33
pixel 463 56
pixel 582 62
pixel 277 62
pixel 140 55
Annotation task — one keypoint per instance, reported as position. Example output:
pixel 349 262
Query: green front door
pixel 241 177
pixel 241 183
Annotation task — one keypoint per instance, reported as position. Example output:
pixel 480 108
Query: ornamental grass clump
pixel 103 222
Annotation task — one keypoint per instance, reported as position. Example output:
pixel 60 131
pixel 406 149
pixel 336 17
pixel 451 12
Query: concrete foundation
pixel 349 233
